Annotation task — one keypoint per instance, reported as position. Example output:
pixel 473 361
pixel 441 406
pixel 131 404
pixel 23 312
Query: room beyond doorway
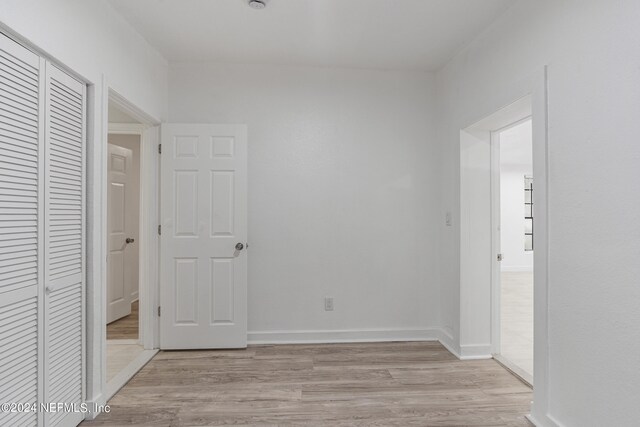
pixel 482 255
pixel 126 296
pixel 126 327
pixel 516 183
pixel 123 201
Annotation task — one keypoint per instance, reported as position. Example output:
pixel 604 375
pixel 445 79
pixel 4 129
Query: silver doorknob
pixel 239 246
pixel 130 240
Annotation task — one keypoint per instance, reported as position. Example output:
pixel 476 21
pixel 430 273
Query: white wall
pixel 515 162
pixel 132 142
pixel 591 49
pixel 92 40
pixel 343 194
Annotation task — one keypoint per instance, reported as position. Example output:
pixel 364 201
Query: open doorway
pixel 480 237
pixel 123 200
pixel 496 237
pixel 516 244
pixel 125 352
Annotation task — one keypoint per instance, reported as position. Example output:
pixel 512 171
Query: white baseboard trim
pixel 465 352
pixel 97 402
pixel 475 352
pixel 127 341
pixel 543 421
pixel 342 336
pixel 449 343
pixel 517 269
pixel 127 373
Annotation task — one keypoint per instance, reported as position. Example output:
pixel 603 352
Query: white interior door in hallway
pixel 42 238
pixel 120 223
pixel 203 293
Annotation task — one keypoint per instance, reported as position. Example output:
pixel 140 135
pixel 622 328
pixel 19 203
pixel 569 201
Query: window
pixel 528 213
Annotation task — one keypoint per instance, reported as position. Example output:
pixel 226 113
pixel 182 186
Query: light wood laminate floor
pixel 125 328
pixel 375 384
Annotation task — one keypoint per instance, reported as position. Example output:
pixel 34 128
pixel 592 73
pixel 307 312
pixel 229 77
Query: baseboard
pixel 465 352
pixel 475 352
pixel 543 421
pixel 342 336
pixel 446 339
pixel 97 402
pixel 123 341
pixel 516 269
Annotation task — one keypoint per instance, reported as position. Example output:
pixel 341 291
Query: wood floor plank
pixel 377 384
pixel 127 327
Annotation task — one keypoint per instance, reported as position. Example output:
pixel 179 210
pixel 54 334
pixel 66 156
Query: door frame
pixel 495 233
pixel 148 131
pixel 96 379
pixel 476 248
pixel 480 221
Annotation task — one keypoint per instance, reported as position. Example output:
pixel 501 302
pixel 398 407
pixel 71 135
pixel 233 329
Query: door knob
pixel 130 240
pixel 239 246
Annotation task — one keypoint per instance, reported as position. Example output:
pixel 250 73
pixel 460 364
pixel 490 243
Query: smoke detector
pixel 257 4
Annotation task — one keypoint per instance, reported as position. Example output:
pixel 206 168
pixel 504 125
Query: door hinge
pixel 499 257
pixel 159 311
pixel 159 230
pixel 159 148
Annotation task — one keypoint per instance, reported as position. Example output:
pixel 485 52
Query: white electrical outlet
pixel 328 304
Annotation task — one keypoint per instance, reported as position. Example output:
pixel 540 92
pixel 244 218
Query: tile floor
pixel 120 353
pixel 516 332
pixel 122 342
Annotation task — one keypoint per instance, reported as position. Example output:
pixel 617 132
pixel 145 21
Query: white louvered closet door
pixel 21 242
pixel 64 250
pixel 42 223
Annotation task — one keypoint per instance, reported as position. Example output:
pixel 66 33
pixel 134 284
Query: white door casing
pixel 119 276
pixel 203 290
pixel 495 244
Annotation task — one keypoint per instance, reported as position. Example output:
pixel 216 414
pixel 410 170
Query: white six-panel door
pixel 119 229
pixel 204 235
pixel 42 223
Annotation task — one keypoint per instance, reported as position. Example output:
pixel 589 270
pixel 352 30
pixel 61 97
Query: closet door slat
pixel 64 254
pixel 20 233
pixel 42 237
